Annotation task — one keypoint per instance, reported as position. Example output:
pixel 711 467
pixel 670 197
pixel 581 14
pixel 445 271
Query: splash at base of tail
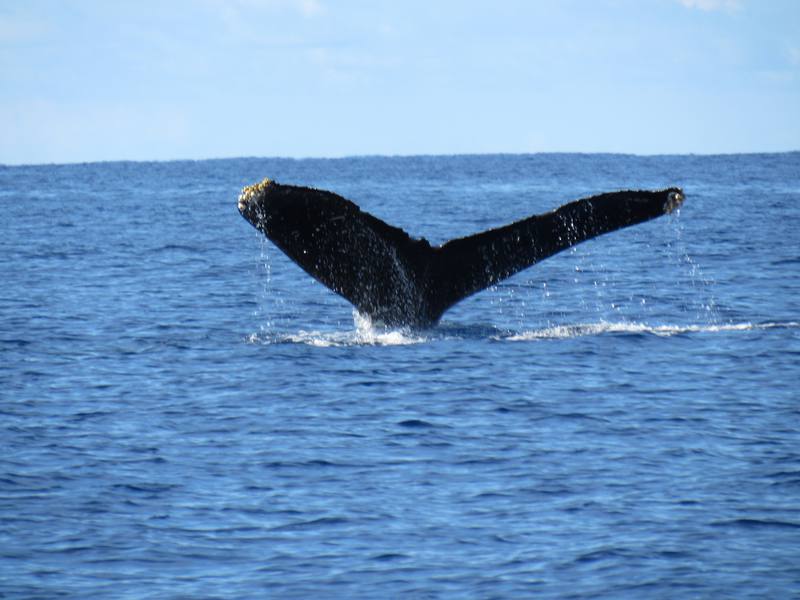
pixel 402 281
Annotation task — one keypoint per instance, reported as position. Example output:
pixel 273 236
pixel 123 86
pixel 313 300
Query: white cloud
pixel 310 8
pixel 709 5
pixel 41 131
pixel 247 20
pixel 306 8
pixel 15 29
pixel 793 53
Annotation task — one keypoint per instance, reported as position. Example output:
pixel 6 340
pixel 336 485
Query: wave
pixel 367 334
pixel 590 329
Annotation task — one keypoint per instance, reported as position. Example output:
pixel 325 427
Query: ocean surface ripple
pixel 185 413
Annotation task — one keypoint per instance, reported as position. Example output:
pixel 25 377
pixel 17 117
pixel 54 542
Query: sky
pixel 85 80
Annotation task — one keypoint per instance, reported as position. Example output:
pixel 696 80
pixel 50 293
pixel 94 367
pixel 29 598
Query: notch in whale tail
pixel 403 281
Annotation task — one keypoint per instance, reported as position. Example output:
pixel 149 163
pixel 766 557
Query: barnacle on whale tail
pixel 251 191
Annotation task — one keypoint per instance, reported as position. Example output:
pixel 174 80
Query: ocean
pixel 187 414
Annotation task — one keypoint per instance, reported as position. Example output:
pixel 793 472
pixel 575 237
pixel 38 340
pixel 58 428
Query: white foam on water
pixel 364 334
pixel 369 333
pixel 588 329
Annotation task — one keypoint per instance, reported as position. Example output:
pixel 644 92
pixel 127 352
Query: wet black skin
pixel 403 281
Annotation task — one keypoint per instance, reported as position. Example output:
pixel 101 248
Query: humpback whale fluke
pixel 402 281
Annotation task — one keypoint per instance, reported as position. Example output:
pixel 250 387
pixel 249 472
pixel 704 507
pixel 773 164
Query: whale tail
pixel 403 281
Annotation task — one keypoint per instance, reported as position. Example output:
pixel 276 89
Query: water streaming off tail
pixel 589 289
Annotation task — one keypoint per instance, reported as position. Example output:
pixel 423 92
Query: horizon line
pixel 382 156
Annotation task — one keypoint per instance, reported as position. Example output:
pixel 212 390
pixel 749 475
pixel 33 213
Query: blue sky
pixel 155 80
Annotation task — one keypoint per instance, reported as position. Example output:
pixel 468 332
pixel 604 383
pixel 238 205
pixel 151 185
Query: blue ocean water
pixel 185 413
